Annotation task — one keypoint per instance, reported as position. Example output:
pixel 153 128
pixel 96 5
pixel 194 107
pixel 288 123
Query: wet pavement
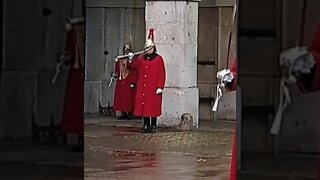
pixel 22 160
pixel 118 151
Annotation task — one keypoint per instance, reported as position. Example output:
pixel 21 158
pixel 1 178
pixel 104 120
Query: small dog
pixel 186 123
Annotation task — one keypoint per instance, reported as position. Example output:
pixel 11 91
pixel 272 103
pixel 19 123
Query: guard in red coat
pixel 73 110
pixel 151 82
pixel 124 96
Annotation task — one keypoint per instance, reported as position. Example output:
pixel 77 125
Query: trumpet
pixel 131 55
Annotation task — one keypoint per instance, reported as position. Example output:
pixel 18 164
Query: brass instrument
pixel 131 55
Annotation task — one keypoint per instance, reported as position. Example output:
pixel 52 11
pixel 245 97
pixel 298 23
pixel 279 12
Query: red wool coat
pixel 151 75
pixel 311 83
pixel 232 86
pixel 124 95
pixel 73 109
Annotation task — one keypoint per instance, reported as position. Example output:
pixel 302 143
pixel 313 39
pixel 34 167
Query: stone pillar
pixel 176 31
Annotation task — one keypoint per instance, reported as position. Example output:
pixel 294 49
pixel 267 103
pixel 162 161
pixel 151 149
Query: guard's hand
pixel 131 55
pixel 224 76
pixel 116 59
pixel 114 74
pixel 159 91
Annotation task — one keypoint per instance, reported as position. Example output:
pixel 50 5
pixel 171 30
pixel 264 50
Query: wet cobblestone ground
pixel 121 152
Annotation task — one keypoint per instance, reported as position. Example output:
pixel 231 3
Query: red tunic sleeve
pixel 232 85
pixel 161 73
pixel 136 62
pixel 117 68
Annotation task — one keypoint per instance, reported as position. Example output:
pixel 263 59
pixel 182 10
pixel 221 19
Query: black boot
pixel 153 128
pixel 129 115
pixel 146 125
pixel 123 115
pixel 80 145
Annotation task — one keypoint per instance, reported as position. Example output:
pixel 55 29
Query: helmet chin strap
pixel 148 48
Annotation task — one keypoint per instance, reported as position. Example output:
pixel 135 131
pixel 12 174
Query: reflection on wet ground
pixel 23 160
pixel 38 171
pixel 113 152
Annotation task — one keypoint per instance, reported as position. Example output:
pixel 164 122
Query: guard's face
pixel 150 50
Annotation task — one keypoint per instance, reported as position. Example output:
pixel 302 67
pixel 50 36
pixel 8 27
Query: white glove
pixel 297 58
pixel 131 55
pixel 304 64
pixel 116 59
pixel 159 91
pixel 224 76
pixel 114 75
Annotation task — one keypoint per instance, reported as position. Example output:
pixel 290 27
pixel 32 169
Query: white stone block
pixel 177 101
pixel 191 12
pixel 176 33
pixel 181 64
pixel 167 33
pixel 173 54
pixel 190 32
pixel 181 76
pixel 227 106
pixel 190 55
pixel 165 11
pixel 188 76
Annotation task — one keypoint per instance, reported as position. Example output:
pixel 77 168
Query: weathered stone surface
pixel 107 93
pixel 176 31
pixel 17 102
pixel 177 101
pixel 206 90
pixel 92 96
pixel 32 42
pixel 227 106
pixel 205 111
pixel 94 51
pixel 206 74
pixel 50 97
pixel 95 71
pixel 300 123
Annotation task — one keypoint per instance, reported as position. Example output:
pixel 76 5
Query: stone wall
pixel 31 43
pixel 109 26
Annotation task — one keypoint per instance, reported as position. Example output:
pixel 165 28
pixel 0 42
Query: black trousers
pixel 150 120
